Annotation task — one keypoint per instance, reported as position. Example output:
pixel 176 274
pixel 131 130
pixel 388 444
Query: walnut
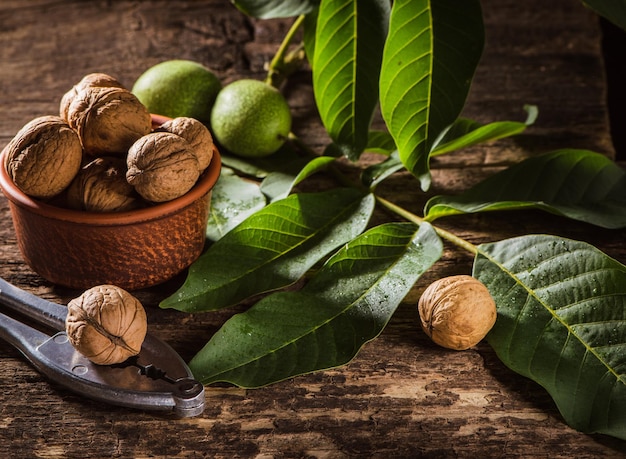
pixel 108 120
pixel 457 312
pixel 194 132
pixel 99 80
pixel 162 166
pixel 44 157
pixel 101 186
pixel 106 324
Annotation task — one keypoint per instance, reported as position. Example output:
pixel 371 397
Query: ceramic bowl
pixel 134 249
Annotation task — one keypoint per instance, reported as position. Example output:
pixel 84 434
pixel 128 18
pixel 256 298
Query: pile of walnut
pixel 102 155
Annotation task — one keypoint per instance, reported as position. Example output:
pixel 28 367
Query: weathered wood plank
pixel 402 396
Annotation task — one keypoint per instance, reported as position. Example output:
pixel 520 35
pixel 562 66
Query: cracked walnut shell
pixel 106 324
pixel 457 312
pixel 101 186
pixel 108 120
pixel 162 166
pixel 44 157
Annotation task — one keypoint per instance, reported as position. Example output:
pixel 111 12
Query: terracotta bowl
pixel 133 250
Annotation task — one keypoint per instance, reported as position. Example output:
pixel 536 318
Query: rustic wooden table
pixel 402 396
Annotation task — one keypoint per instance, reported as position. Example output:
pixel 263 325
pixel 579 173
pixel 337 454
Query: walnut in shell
pixel 106 324
pixel 108 120
pixel 101 186
pixel 98 80
pixel 44 157
pixel 162 166
pixel 457 312
pixel 194 132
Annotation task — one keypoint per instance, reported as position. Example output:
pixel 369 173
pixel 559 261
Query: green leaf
pixel 349 40
pixel 268 9
pixel 278 185
pixel 272 248
pixel 614 11
pixel 432 51
pixel 347 303
pixel 465 133
pixel 562 322
pixel 380 142
pixel 462 133
pixel 309 26
pixel 376 173
pixel 232 201
pixel 577 184
pixel 260 167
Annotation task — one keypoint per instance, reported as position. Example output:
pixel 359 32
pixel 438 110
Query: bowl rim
pixel 206 182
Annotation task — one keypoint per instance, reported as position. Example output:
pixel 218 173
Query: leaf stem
pixel 282 64
pixel 459 242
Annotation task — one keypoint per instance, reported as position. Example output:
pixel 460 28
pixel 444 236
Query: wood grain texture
pixel 402 396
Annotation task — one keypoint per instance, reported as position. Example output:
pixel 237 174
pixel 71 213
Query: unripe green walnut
pixel 457 312
pixel 250 118
pixel 177 88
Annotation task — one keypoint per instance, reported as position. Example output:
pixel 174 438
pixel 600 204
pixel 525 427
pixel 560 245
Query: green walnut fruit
pixel 250 118
pixel 178 88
